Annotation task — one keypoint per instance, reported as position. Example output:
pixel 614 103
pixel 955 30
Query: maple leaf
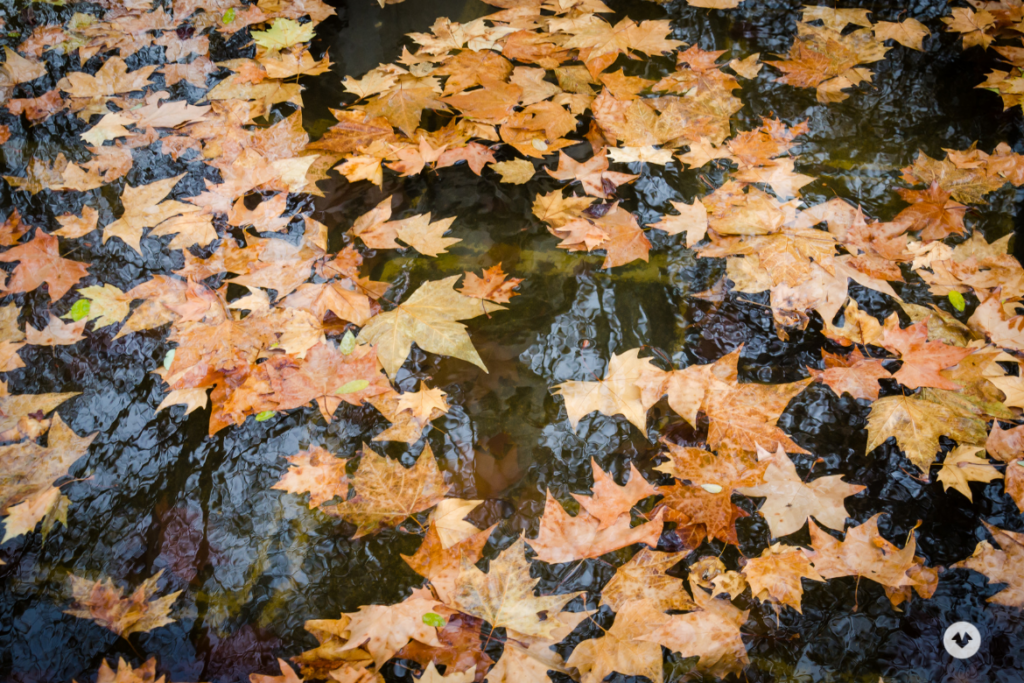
pixel 856 375
pixel 335 297
pixel 692 220
pixel 103 602
pixel 864 553
pixel 494 286
pixel 431 675
pixel 328 657
pixel 618 650
pixel 974 26
pixel 428 317
pixel 461 647
pixel 593 174
pixel 610 501
pixel 515 172
pixel 643 578
pixel 403 105
pixel 111 79
pixel 146 673
pixel 991 319
pixel 48 506
pixel 317 472
pixel 790 501
pixel 1007 445
pixel 712 633
pixel 702 499
pixel 910 32
pixel 144 208
pixel 775 575
pixel 917 424
pixel 387 493
pixel 967 183
pixel 963 465
pixel 283 33
pixel 39 262
pixel 504 596
pixel 423 405
pixel 617 394
pixel 922 359
pixel 441 565
pixel 932 212
pixel 384 630
pixel 16 69
pixel 492 103
pixel 748 67
pixel 448 519
pixel 108 305
pixel 825 59
pixel 353 131
pixel 1000 565
pixel 288 675
pixel 56 333
pixel 562 538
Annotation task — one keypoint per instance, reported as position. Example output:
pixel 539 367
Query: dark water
pixel 254 563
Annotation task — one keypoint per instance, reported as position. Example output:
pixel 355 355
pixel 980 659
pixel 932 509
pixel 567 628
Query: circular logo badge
pixel 962 640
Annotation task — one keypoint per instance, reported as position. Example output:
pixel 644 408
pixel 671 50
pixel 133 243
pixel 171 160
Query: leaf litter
pixel 506 95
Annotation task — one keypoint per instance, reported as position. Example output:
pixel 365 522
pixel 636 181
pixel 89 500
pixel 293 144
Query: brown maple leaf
pixel 619 650
pixel 102 602
pixel 855 375
pixel 494 286
pixel 40 262
pixel 933 212
pixel 644 578
pixel 462 641
pixel 922 359
pixel 775 575
pixel 317 472
pixel 562 538
pixel 790 501
pixel 712 633
pixel 387 493
pixel 593 174
pixel 617 394
pixel 917 423
pixel 864 553
pixel 1000 565
pixel 702 498
pixel 504 595
pixel 383 630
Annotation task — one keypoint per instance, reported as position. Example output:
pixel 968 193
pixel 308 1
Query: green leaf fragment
pixel 348 343
pixel 433 619
pixel 79 310
pixel 352 387
pixel 229 16
pixel 168 359
pixel 265 415
pixel 957 299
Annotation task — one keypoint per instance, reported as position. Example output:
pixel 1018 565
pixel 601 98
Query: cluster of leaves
pixel 273 350
pixel 314 330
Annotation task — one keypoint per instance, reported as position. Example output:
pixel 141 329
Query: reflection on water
pixel 254 565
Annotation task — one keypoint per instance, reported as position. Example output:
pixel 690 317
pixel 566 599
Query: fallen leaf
pixel 102 602
pixel 428 317
pixel 387 493
pixel 790 501
pixel 963 465
pixel 39 262
pixel 504 596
